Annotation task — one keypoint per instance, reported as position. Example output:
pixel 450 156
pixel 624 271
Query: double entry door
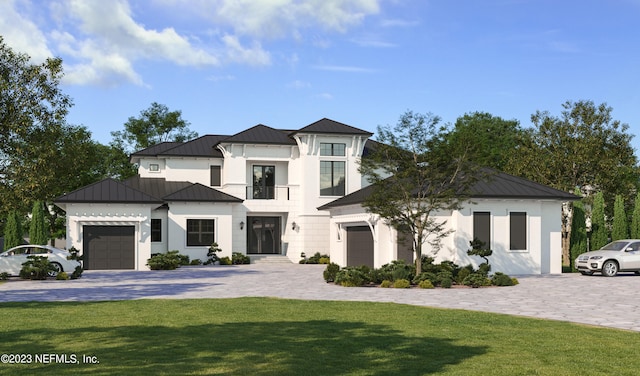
pixel 263 235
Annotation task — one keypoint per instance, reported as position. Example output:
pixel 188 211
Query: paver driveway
pixel 611 302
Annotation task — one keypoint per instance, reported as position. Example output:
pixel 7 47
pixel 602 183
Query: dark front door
pixel 263 235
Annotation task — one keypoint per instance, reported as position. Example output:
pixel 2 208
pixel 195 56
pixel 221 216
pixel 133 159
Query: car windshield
pixel 614 246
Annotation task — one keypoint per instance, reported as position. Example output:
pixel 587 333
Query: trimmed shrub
pixel 165 261
pixel 426 284
pixel 62 276
pixel 225 261
pixel 402 284
pixel 476 280
pixel 351 277
pixel 324 260
pixel 463 273
pixel 425 276
pixel 386 283
pixel 330 272
pixel 317 258
pixel 4 276
pixel 212 254
pixel 393 271
pixel 196 262
pixel 238 258
pixel 36 268
pixel 446 283
pixel 501 279
pixel 184 259
pixel 77 273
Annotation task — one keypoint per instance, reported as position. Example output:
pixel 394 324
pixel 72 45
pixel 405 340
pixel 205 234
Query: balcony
pixel 267 193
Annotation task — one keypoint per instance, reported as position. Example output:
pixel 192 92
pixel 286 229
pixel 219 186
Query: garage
pixel 108 247
pixel 359 246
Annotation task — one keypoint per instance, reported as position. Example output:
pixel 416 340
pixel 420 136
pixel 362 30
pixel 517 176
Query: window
pixel 200 232
pixel 154 167
pixel 156 230
pixel 336 150
pixel 482 227
pixel 216 180
pixel 518 231
pixel 332 178
pixel 264 182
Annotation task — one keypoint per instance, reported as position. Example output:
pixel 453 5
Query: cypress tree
pixel 13 231
pixel 578 230
pixel 635 219
pixel 620 228
pixel 599 236
pixel 38 228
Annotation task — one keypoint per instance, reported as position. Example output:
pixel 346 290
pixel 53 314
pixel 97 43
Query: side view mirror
pixel 629 249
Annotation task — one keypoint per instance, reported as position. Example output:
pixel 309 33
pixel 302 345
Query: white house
pixel 266 191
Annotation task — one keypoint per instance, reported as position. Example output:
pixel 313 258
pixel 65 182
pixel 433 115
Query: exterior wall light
pixel 293 225
pixel 241 225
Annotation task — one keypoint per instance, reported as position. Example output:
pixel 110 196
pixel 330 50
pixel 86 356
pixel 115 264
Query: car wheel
pixel 57 269
pixel 586 273
pixel 610 268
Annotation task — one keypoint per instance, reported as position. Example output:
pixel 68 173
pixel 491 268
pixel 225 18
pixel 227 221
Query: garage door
pixel 359 246
pixel 108 247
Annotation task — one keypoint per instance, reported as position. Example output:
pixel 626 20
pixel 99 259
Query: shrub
pixel 77 272
pixel 324 260
pixel 62 276
pixel 393 271
pixel 514 281
pixel 238 258
pixel 463 273
pixel 501 279
pixel 212 254
pixel 4 276
pixel 386 283
pixel 37 267
pixel 225 261
pixel 317 258
pixel 425 276
pixel 425 284
pixel 446 283
pixel 196 262
pixel 165 261
pixel 476 280
pixel 401 284
pixel 184 259
pixel 74 254
pixel 330 272
pixel 351 277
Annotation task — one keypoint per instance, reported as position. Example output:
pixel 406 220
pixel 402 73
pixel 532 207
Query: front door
pixel 263 235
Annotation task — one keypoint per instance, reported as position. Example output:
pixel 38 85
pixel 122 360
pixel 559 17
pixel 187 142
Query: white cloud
pixel 20 33
pixel 237 53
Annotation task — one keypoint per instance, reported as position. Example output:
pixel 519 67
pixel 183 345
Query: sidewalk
pixel 610 302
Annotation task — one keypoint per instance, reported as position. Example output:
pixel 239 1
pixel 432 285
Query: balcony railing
pixel 267 193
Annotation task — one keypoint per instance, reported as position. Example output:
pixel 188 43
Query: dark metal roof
pixel 108 191
pixel 200 147
pixel 331 126
pixel 145 190
pixel 497 185
pixel 157 149
pixel 261 134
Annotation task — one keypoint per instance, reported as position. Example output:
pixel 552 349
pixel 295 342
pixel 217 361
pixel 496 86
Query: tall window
pixel 482 227
pixel 156 230
pixel 336 150
pixel 332 178
pixel 200 232
pixel 264 182
pixel 216 180
pixel 517 231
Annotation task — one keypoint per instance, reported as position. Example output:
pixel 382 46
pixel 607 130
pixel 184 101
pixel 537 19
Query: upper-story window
pixel 332 178
pixel 335 150
pixel 216 176
pixel 154 167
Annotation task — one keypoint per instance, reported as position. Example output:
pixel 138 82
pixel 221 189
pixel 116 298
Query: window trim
pixel 200 221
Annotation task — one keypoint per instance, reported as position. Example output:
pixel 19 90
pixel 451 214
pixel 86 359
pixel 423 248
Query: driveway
pixel 609 302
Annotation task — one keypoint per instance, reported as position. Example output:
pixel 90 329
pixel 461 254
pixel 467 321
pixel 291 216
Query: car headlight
pixel 595 257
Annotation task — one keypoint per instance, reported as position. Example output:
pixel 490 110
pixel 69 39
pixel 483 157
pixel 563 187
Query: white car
pixel 12 259
pixel 617 256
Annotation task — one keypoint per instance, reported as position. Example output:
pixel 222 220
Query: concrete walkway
pixel 609 302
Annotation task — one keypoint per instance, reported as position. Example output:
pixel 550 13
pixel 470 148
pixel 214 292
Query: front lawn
pixel 263 336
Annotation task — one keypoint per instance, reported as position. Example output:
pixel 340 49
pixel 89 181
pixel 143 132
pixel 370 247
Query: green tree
pixel 13 233
pixel 154 125
pixel 38 233
pixel 491 140
pixel 620 229
pixel 415 174
pixel 635 219
pixel 584 147
pixel 578 230
pixel 599 235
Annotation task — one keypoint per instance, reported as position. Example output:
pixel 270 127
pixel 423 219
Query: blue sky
pixel 231 64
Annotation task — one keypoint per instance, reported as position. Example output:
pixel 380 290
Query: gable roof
pixel 203 146
pixel 333 127
pixel 145 191
pixel 497 185
pixel 261 134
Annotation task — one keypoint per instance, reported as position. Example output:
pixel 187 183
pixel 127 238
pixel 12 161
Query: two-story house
pixel 266 191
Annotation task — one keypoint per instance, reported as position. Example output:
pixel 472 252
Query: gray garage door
pixel 108 247
pixel 359 246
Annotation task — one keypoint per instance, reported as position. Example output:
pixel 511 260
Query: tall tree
pixel 635 218
pixel 599 235
pixel 584 147
pixel 578 230
pixel 38 232
pixel 426 174
pixel 156 124
pixel 491 140
pixel 620 228
pixel 13 233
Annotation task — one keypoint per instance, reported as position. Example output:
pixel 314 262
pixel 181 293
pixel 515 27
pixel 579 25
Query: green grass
pixel 262 336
